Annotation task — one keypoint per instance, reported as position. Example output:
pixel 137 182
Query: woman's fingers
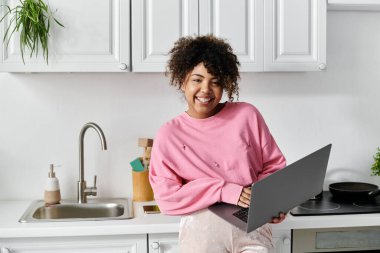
pixel 279 218
pixel 245 197
pixel 242 204
pixel 247 190
pixel 244 200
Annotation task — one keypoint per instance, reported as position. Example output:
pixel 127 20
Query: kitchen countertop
pixel 11 211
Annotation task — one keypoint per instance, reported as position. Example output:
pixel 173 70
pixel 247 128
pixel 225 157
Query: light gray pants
pixel 205 232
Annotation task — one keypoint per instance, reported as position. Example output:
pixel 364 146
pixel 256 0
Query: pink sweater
pixel 198 162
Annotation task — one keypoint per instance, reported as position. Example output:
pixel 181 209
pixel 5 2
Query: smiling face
pixel 203 93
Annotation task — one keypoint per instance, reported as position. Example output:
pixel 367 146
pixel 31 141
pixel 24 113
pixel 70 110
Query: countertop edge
pixel 11 211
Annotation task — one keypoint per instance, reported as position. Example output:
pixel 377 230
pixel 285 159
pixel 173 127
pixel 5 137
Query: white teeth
pixel 204 100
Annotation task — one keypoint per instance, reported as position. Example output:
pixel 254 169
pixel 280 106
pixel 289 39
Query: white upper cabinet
pixel 95 39
pixel 270 35
pixel 295 35
pixel 156 25
pixel 266 35
pixel 240 22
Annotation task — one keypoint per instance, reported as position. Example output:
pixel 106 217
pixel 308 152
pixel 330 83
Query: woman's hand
pixel 245 200
pixel 279 218
pixel 245 197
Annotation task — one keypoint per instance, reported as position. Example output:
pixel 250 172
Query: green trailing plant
pixel 375 169
pixel 31 19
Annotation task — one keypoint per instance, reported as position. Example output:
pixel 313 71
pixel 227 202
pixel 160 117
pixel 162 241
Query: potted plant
pixel 375 169
pixel 31 18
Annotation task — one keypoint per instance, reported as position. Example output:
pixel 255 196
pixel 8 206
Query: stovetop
pixel 328 205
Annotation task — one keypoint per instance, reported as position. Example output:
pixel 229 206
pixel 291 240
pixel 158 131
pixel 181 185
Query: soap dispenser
pixel 52 191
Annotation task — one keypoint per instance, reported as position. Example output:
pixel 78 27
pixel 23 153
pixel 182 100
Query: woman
pixel 213 152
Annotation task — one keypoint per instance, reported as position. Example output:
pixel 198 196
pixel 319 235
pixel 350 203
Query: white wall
pixel 41 115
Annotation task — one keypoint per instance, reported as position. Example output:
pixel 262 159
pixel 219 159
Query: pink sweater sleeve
pixel 272 157
pixel 178 198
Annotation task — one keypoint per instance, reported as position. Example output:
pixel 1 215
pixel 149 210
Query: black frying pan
pixel 354 190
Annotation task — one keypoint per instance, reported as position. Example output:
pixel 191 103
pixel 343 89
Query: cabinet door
pixel 163 243
pixel 240 22
pixel 90 244
pixel 295 35
pixel 95 38
pixel 168 243
pixel 282 241
pixel 156 25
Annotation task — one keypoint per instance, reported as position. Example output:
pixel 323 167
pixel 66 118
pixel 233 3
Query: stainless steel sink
pixel 70 210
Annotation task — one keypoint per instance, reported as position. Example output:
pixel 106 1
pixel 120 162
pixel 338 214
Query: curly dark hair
pixel 215 53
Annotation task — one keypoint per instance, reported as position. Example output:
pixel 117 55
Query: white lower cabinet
pixel 282 240
pixel 93 244
pixel 151 243
pixel 168 243
pixel 163 243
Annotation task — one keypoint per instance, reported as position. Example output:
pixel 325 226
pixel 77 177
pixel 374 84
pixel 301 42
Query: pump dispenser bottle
pixel 52 191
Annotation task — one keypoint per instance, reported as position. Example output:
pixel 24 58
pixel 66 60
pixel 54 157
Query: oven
pixel 348 239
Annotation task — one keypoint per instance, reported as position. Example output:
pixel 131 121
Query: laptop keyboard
pixel 242 214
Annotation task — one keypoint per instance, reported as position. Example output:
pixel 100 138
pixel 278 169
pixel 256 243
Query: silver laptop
pixel 279 192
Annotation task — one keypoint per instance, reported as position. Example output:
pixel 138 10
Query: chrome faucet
pixel 83 190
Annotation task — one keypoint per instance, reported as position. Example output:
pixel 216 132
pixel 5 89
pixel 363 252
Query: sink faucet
pixel 83 190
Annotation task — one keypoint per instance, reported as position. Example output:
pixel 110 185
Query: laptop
pixel 279 192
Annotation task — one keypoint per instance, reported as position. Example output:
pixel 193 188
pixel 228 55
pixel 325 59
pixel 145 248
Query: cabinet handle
pixel 286 241
pixel 322 66
pixel 155 245
pixel 5 250
pixel 123 66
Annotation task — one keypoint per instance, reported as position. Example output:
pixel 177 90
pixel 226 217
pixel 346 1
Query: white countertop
pixel 11 211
